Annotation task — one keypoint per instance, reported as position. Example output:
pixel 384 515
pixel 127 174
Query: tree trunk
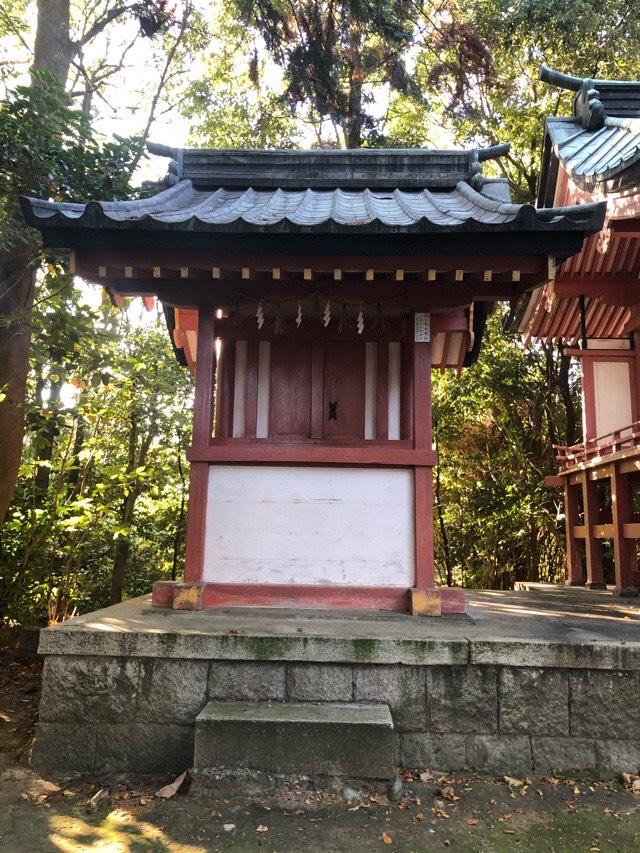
pixel 17 281
pixel 53 47
pixel 47 444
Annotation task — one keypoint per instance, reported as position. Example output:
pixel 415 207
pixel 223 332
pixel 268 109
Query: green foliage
pixel 48 149
pixel 122 391
pixel 494 427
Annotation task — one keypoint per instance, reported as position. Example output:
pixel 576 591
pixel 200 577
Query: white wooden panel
pixel 370 390
pixel 240 390
pixel 612 389
pixel 395 384
pixel 286 525
pixel 264 386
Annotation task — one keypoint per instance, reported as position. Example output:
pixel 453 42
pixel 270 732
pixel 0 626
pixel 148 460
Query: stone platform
pixel 535 680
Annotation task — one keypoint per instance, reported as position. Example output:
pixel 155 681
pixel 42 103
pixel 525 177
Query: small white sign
pixel 422 330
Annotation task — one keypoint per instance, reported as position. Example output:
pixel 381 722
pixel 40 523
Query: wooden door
pixel 290 393
pixel 344 366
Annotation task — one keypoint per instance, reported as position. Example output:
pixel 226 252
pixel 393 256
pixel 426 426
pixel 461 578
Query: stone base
pixel 346 740
pixel 123 689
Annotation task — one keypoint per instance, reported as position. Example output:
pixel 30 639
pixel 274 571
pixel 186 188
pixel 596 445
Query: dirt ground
pixel 460 812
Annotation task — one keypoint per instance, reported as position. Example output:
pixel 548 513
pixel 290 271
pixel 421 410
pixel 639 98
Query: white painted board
pixel 288 525
pixel 612 389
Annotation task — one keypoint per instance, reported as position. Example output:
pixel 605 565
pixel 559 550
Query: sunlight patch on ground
pixel 119 832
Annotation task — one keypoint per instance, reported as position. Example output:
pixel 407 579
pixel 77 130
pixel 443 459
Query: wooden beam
pixel 592 544
pixel 624 550
pixel 574 563
pixel 279 453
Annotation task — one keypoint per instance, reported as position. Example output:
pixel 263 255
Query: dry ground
pixel 459 812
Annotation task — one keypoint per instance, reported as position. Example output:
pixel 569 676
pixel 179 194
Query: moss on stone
pixel 267 648
pixel 364 649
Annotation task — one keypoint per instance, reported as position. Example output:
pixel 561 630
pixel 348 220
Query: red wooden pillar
pixel 425 596
pixel 593 546
pixel 574 561
pixel 202 429
pixel 624 550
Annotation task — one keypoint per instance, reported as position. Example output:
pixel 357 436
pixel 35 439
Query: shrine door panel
pixel 280 524
pixel 290 396
pixel 344 390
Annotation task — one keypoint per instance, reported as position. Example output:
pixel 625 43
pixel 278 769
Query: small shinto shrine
pixel 592 307
pixel 312 294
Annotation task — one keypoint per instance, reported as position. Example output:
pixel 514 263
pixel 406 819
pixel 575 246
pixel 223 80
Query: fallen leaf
pixel 448 793
pixel 262 828
pixel 228 827
pixel 426 776
pixel 403 806
pixel 635 786
pixel 172 789
pixel 97 798
pixel 386 838
pixel 505 818
pixel 446 842
pixel 440 812
pixel 418 818
pixel 472 821
pixel 216 813
pixel 512 782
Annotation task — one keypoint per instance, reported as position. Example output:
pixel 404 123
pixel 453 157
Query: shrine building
pixel 312 294
pixel 591 307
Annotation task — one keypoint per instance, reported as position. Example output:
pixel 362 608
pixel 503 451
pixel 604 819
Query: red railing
pixel 604 445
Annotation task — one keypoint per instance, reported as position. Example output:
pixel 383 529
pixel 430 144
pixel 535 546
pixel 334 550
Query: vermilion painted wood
pixel 196 518
pixel 305 596
pixel 589 400
pixel 382 397
pixel 453 599
pixel 162 594
pixel 423 490
pixel 406 391
pixel 592 545
pixel 251 404
pixel 423 482
pixel 224 404
pixel 317 389
pixel 624 550
pixel 335 441
pixel 422 396
pixel 205 376
pixel 266 453
pixel 290 394
pixel 344 366
pixel 574 562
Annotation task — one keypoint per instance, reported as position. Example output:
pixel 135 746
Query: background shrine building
pixel 592 308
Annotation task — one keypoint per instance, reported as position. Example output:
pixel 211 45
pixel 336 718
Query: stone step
pixel 347 739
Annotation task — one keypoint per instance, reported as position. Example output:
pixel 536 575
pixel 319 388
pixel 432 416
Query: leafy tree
pixel 334 53
pixel 494 428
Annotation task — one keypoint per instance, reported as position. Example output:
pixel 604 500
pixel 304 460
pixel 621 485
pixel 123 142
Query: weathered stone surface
pixel 499 754
pixel 563 753
pixel 68 746
pixel 247 680
pixel 603 703
pixel 439 752
pixel 89 688
pixel 401 687
pixel 462 699
pixel 172 690
pixel 600 654
pixel 143 748
pixel 533 701
pixel 618 756
pixel 337 739
pixel 320 682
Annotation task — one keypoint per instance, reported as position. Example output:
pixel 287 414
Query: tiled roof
pixel 605 160
pixel 183 207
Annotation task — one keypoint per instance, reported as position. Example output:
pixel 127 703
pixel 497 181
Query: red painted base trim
pixel 453 600
pixel 297 597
